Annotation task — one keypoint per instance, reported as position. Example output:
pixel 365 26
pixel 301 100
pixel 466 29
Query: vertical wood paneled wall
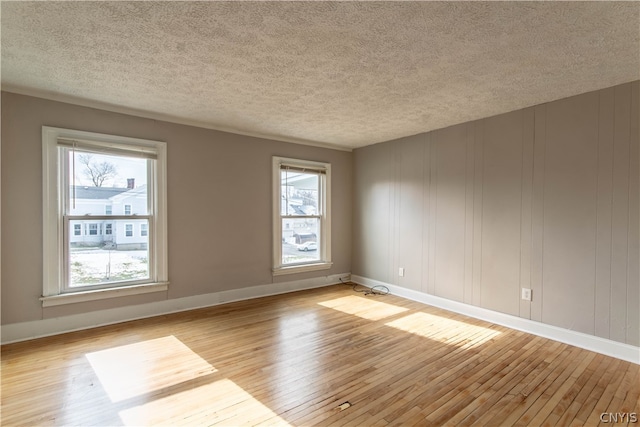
pixel 545 198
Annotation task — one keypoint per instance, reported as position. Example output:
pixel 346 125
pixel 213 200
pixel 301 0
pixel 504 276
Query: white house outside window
pixel 97 182
pixel 302 215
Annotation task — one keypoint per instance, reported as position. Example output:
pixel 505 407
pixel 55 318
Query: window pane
pixel 101 184
pixel 96 259
pixel 300 240
pixel 299 193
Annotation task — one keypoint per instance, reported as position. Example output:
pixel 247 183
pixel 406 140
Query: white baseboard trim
pixel 41 328
pixel 589 342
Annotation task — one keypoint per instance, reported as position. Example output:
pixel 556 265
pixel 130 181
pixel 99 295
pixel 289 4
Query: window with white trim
pixel 84 174
pixel 93 229
pixel 302 215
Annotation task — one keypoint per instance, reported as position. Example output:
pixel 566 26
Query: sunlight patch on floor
pixel 144 367
pixel 220 402
pixel 445 330
pixel 363 307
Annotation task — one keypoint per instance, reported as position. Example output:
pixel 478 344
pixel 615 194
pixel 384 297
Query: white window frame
pixel 53 290
pixel 324 198
pixel 126 230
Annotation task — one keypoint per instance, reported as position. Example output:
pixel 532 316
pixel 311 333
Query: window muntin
pixel 77 201
pixel 301 215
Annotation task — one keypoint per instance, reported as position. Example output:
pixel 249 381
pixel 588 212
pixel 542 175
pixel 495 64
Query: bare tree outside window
pixel 98 172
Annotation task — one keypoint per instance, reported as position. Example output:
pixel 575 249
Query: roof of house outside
pixel 84 192
pixel 140 191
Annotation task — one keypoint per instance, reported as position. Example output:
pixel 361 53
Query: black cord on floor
pixel 362 291
pixel 376 290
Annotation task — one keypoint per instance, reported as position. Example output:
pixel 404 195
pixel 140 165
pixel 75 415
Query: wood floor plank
pixel 292 359
pixel 571 389
pixel 607 395
pixel 597 392
pixel 494 402
pixel 436 384
pixel 562 384
pixel 536 398
pixel 590 381
pixel 522 396
pixel 626 395
pixel 490 391
pixel 477 378
pixel 385 378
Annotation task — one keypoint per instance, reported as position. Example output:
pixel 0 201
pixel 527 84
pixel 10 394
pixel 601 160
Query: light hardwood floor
pixel 292 359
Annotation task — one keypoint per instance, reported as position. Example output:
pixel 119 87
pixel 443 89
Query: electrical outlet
pixel 526 294
pixel 401 272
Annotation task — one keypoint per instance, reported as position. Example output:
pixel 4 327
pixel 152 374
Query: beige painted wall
pixel 219 205
pixel 545 198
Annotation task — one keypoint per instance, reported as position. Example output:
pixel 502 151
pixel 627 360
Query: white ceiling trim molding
pixel 69 99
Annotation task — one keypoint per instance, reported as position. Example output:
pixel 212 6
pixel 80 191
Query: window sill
pixel 98 294
pixel 280 271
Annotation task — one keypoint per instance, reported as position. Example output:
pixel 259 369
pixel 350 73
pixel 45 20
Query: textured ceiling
pixel 343 74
